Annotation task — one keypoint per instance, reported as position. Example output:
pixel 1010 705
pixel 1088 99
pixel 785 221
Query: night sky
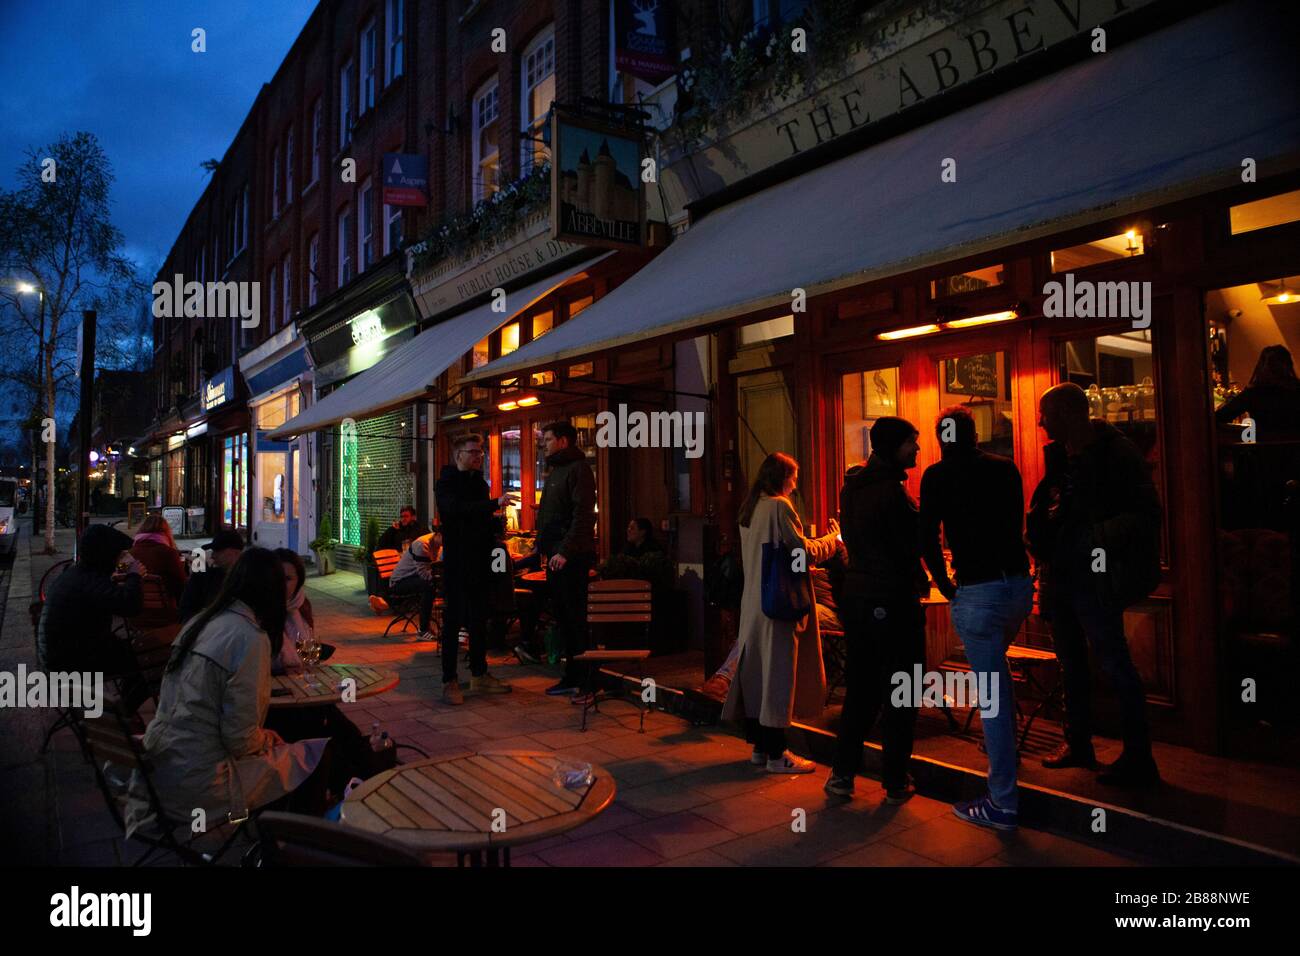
pixel 124 70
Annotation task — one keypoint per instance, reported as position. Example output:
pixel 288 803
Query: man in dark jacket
pixel 566 540
pixel 1094 530
pixel 76 626
pixel 399 535
pixel 883 619
pixel 468 539
pixel 203 586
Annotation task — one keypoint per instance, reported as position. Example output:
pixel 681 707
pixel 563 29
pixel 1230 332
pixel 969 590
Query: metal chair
pixel 290 839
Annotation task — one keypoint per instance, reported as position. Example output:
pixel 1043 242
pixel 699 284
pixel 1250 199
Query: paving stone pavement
pixel 687 796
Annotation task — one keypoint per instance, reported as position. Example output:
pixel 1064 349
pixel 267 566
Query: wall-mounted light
pixel 507 406
pixel 528 401
pixel 455 413
pixel 981 319
pixel 1281 295
pixel 908 333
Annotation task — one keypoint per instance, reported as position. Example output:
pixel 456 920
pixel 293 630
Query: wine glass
pixel 309 653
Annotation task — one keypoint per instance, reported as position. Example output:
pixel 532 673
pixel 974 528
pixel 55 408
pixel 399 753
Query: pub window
pixel 577 305
pixel 512 478
pixel 581 369
pixel 1123 246
pixel 543 322
pixel 1265 213
pixel 509 338
pixel 479 357
pixel 972 281
pixel 537 93
pixel 981 383
pixel 487 159
pixel 542 378
pixel 867 396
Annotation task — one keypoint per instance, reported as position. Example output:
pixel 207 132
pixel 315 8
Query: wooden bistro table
pixel 478 804
pixel 294 690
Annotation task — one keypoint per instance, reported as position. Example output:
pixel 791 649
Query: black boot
pixel 1131 770
pixel 1068 756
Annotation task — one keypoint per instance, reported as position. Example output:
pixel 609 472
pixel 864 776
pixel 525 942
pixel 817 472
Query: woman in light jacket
pixel 206 742
pixel 780 674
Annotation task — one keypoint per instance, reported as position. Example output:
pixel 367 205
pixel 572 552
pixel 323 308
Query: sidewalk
pixel 687 796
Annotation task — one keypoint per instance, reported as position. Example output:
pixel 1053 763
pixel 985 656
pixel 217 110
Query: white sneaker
pixel 758 758
pixel 789 763
pixel 426 636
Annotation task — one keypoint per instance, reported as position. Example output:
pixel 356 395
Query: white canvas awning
pixel 1165 117
pixel 410 372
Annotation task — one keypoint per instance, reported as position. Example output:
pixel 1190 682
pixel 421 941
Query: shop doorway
pixel 275 517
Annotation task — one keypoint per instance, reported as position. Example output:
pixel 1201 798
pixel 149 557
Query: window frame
pixel 275 181
pixel 345 104
pixel 288 166
pixel 368 81
pixel 392 214
pixel 365 226
pixel 273 296
pixel 317 131
pixel 395 39
pixel 286 290
pixel 313 269
pixel 344 259
pixel 533 127
pixel 489 88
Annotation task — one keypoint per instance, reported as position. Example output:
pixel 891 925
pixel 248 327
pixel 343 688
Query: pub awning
pixel 1162 118
pixel 410 372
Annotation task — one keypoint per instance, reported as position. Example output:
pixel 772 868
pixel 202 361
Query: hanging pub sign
pixel 406 179
pixel 597 196
pixel 643 39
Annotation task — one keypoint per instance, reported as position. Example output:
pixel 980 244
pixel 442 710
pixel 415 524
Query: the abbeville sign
pixel 929 50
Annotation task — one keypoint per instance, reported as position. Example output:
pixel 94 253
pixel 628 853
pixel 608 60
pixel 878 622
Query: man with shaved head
pixel 1094 530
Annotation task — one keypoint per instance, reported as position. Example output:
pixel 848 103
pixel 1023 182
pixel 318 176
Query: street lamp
pixel 27 288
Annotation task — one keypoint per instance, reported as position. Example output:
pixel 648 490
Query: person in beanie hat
pixel 883 619
pixel 76 626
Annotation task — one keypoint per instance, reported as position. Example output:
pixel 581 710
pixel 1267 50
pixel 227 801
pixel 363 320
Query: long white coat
pixel 780 675
pixel 206 742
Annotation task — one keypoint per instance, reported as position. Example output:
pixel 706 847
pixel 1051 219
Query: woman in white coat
pixel 206 742
pixel 780 675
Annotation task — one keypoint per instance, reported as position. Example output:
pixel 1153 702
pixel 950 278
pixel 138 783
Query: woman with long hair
pixel 155 548
pixel 206 742
pixel 780 674
pixel 1272 398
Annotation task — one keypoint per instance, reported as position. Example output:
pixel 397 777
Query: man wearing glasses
pixel 467 514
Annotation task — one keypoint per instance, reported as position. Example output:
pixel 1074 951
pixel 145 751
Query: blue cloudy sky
pixel 124 70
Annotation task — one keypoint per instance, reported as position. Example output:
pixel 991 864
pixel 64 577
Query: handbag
pixel 787 594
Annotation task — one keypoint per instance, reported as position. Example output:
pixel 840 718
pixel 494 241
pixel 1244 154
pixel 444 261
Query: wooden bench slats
pixel 614 608
pixel 618 618
pixel 410 800
pixel 619 584
pixel 613 655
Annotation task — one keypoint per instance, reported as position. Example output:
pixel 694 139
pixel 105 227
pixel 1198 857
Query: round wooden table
pixel 294 690
pixel 478 804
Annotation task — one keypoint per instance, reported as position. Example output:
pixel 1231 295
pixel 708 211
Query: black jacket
pixel 396 539
pixel 979 500
pixel 76 627
pixel 566 519
pixel 469 528
pixel 1101 498
pixel 201 590
pixel 881 528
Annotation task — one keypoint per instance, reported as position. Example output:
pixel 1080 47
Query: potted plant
pixel 323 547
pixel 366 556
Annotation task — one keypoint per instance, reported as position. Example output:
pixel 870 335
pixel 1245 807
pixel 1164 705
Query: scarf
pixel 153 536
pixel 295 629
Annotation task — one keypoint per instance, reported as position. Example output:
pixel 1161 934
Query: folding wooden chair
pixel 107 742
pixel 405 608
pixel 619 602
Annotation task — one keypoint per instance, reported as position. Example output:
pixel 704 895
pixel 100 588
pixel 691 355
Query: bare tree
pixel 57 239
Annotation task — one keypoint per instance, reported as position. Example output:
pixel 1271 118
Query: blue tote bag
pixel 787 594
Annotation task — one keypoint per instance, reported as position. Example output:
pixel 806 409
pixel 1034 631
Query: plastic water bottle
pixel 376 738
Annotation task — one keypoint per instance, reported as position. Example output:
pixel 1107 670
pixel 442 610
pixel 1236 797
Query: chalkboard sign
pixel 972 375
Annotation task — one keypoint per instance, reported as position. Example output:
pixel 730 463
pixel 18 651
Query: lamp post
pixel 26 288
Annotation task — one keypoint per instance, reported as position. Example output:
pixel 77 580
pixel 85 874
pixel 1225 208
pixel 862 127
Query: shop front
pixel 866 287
pixel 278 373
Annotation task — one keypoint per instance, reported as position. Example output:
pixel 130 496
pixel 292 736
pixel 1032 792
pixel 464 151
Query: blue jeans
pixel 987 618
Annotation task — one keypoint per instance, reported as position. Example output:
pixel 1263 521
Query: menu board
pixel 972 375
